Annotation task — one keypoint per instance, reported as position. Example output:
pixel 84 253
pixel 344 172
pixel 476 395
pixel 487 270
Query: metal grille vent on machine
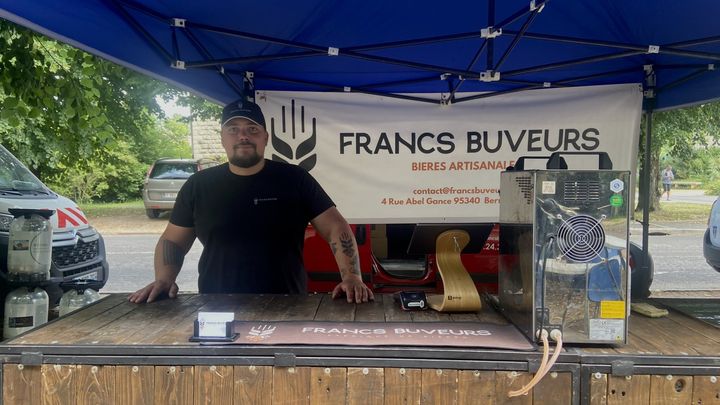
pixel 581 191
pixel 581 238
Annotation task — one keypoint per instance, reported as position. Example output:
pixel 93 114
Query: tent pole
pixel 516 39
pixel 646 183
pixel 490 41
pixel 599 58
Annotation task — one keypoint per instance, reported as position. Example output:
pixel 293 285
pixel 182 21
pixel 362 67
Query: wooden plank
pixel 372 311
pixel 213 384
pixel 95 384
pixel 668 341
pixel 20 384
pixel 464 317
pixel 393 312
pixel 670 389
pixel 707 331
pixel 143 318
pixel 58 384
pixel 253 384
pixel 403 386
pixel 430 315
pixel 476 387
pixel 183 329
pixel 489 315
pixel 506 381
pixel 598 389
pixel 85 319
pixel 365 386
pixel 328 385
pixel 701 343
pixel 294 308
pixel 118 312
pixel 638 345
pixel 250 307
pixel 706 390
pixel 291 385
pixel 554 389
pixel 334 310
pixel 182 314
pixel 439 386
pixel 628 390
pixel 174 385
pixel 134 385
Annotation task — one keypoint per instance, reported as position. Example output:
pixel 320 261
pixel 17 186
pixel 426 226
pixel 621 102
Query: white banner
pixel 386 160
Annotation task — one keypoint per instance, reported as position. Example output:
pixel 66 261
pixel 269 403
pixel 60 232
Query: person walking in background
pixel 667 179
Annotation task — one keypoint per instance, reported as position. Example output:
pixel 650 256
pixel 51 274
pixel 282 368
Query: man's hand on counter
pixel 354 289
pixel 158 289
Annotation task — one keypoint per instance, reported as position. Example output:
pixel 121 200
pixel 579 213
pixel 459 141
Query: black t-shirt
pixel 252 227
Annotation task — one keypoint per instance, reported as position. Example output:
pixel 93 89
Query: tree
pixel 680 134
pixel 65 112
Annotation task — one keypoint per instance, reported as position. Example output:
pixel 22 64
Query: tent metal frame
pixel 455 77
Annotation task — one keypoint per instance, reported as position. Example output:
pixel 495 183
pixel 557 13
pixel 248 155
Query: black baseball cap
pixel 243 109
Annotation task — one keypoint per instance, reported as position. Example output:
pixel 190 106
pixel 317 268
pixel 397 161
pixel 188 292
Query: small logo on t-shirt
pixel 263 200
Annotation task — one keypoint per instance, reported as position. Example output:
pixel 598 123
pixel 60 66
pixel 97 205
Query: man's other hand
pixel 354 289
pixel 158 289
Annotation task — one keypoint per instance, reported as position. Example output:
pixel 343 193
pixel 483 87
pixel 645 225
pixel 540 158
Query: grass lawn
pixel 100 210
pixel 669 212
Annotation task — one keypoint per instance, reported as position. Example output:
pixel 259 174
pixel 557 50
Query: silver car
pixel 711 240
pixel 164 179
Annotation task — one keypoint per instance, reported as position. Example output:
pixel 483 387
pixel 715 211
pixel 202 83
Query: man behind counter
pixel 250 214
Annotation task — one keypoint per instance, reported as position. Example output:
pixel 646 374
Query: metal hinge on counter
pixel 31 358
pixel 285 360
pixel 622 368
pixel 533 366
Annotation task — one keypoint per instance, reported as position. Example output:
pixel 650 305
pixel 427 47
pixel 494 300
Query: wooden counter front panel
pixel 653 389
pixel 127 385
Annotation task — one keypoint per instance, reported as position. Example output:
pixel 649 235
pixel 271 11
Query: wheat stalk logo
pixel 260 333
pixel 294 128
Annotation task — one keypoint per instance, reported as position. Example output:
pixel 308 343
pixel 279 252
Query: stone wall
pixel 205 140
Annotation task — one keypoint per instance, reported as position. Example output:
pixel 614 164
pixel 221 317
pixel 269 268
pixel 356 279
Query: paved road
pixel 131 263
pixel 691 196
pixel 679 264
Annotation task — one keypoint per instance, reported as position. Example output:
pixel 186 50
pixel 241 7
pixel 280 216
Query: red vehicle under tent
pixel 406 113
pixel 386 267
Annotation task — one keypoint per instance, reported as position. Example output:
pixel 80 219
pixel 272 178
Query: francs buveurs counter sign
pixel 460 334
pixel 385 160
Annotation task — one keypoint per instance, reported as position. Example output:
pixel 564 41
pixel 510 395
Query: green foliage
pixel 712 187
pixel 684 138
pixel 702 164
pixel 85 126
pixel 202 109
pixel 111 175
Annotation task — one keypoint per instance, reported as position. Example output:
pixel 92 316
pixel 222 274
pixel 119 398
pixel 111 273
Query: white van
pixel 78 250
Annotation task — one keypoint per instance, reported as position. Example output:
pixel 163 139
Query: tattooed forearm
pixel 173 254
pixel 347 244
pixel 350 252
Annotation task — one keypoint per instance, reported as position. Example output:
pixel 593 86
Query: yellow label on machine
pixel 612 309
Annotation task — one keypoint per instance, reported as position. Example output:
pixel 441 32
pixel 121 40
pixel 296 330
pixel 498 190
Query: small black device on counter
pixel 411 300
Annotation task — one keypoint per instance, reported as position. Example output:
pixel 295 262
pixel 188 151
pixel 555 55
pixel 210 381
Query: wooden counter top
pixel 114 326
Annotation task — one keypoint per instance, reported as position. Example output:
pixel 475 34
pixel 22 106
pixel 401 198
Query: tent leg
pixel 646 188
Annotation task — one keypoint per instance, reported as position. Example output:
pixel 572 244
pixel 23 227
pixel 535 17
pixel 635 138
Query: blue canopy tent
pixel 221 49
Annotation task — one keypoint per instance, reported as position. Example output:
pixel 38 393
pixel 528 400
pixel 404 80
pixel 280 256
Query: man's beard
pixel 246 161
